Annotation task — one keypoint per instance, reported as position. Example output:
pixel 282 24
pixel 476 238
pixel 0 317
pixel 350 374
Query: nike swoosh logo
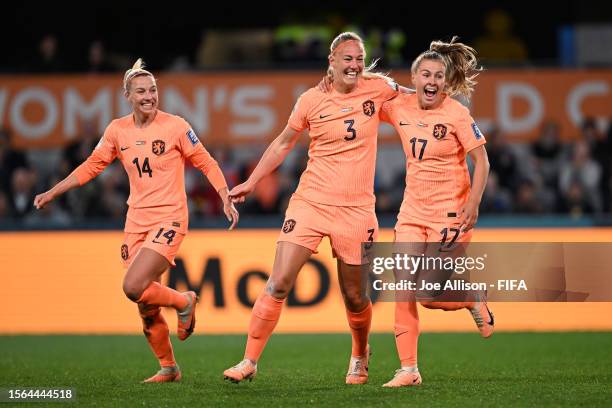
pixel 124 148
pixel 404 123
pixel 324 116
pixel 491 318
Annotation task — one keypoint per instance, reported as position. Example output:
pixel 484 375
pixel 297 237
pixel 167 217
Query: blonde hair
pixel 460 63
pixel 136 71
pixel 368 72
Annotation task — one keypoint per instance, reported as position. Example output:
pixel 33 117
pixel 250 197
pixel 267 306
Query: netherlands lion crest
pixel 288 226
pixel 369 108
pixel 439 131
pixel 158 147
pixel 124 252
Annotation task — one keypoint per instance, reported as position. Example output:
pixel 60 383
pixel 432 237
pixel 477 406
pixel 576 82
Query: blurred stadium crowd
pixel 546 176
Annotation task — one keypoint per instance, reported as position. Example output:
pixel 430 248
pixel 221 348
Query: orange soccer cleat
pixel 186 317
pixel 405 377
pixel 482 316
pixel 358 368
pixel 166 374
pixel 244 370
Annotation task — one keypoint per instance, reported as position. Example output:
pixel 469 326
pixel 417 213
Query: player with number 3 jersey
pixel 334 198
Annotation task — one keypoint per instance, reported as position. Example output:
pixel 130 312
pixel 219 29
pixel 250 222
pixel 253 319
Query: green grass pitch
pixel 509 369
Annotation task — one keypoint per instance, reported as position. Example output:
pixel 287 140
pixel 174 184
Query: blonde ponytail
pixel 136 70
pixel 460 62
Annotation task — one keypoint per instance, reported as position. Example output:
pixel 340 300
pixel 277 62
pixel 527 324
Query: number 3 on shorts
pixel 370 241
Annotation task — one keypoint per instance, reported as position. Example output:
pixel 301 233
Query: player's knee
pixel 279 293
pixel 132 290
pixel 355 300
pixel 278 288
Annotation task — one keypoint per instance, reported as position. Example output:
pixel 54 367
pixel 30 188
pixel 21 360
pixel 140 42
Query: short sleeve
pixel 298 120
pixel 468 133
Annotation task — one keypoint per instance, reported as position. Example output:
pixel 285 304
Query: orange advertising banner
pixel 71 282
pixel 235 108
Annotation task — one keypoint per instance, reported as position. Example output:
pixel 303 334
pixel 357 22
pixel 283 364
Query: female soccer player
pixel 439 205
pixel 152 146
pixel 334 198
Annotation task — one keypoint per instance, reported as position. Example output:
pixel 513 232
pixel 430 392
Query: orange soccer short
pixel 163 239
pixel 446 231
pixel 421 232
pixel 307 222
pixel 433 239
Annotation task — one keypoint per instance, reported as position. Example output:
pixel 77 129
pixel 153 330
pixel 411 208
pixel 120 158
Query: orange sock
pixel 265 315
pixel 360 329
pixel 156 331
pixel 407 332
pixel 160 295
pixel 448 306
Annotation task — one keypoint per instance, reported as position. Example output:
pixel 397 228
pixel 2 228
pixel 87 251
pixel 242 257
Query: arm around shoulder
pixel 60 188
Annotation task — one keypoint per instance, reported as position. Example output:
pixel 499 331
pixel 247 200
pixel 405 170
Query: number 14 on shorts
pixel 162 236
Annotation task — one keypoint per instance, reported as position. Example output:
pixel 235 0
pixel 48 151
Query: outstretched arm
pixel 60 188
pixel 101 157
pixel 469 213
pixel 271 159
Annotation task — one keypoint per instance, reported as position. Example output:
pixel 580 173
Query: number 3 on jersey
pixel 353 132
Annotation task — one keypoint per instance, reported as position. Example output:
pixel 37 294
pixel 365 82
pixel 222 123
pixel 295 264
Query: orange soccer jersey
pixel 343 129
pixel 436 143
pixel 154 159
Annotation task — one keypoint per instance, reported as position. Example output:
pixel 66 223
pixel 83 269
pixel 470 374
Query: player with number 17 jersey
pixel 436 143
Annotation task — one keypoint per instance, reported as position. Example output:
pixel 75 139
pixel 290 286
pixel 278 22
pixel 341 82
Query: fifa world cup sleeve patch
pixel 393 85
pixel 477 132
pixel 192 137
